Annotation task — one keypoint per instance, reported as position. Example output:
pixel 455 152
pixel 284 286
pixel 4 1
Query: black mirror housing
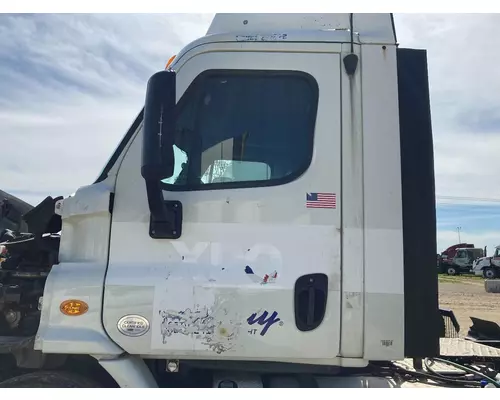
pixel 158 159
pixel 159 127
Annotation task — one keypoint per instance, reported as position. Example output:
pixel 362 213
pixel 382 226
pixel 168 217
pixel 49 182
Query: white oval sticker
pixel 133 325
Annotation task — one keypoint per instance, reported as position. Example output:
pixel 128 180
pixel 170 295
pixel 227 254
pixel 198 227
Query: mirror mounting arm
pixel 155 200
pixel 166 215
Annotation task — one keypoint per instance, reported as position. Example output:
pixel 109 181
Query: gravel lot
pixel 466 297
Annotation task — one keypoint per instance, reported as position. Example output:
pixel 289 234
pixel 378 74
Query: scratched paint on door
pixel 195 318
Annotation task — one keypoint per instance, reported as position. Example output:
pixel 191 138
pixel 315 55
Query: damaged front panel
pixel 26 262
pixel 12 210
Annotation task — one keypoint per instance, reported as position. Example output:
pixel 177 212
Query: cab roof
pixel 368 28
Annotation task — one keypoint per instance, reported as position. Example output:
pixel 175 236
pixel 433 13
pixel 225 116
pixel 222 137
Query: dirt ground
pixel 466 297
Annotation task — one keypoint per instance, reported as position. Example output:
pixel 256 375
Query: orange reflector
pixel 73 307
pixel 170 62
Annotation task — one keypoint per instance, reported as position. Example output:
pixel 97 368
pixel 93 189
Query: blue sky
pixel 479 225
pixel 70 86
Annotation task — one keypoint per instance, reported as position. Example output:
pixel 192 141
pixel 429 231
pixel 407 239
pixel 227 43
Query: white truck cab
pixel 260 214
pixel 488 267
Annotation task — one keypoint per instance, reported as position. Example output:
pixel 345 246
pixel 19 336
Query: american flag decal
pixel 321 200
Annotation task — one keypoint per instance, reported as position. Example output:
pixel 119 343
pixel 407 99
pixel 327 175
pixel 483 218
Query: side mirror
pixel 158 154
pixel 159 127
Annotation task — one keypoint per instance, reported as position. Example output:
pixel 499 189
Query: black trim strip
pixel 422 319
pixel 394 28
pixel 121 147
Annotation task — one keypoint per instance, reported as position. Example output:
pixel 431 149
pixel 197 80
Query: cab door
pixel 256 271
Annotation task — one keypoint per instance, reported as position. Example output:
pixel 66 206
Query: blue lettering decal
pixel 263 320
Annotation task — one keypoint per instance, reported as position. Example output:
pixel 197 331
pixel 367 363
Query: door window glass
pixel 241 129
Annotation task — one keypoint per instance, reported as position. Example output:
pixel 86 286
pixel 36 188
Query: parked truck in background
pixel 445 259
pixel 463 260
pixel 306 262
pixel 488 267
pixel 458 258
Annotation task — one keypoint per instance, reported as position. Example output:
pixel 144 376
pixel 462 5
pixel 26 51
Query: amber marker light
pixel 170 61
pixel 73 308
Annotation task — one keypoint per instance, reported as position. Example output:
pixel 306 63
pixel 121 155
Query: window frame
pixel 197 83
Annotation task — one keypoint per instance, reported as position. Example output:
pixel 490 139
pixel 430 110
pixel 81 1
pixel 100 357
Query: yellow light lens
pixel 170 62
pixel 73 307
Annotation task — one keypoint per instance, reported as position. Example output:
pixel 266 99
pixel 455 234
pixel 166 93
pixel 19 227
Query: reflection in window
pixel 180 164
pixel 236 171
